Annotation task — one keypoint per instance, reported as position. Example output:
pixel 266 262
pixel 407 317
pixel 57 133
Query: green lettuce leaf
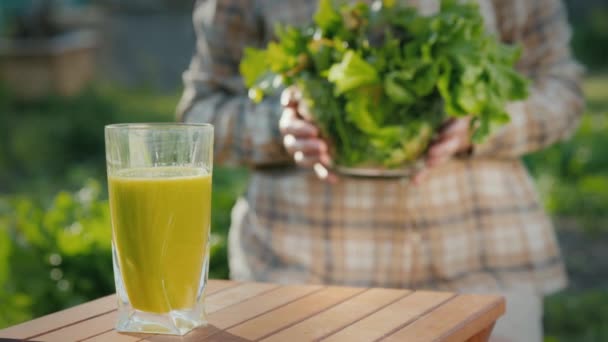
pixel 327 17
pixel 351 73
pixel 253 65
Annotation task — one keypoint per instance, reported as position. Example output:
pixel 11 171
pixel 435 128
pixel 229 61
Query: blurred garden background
pixel 69 67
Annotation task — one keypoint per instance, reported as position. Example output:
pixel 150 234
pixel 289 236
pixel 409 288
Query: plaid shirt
pixel 475 223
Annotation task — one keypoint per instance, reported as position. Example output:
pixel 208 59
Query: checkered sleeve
pixel 552 111
pixel 245 133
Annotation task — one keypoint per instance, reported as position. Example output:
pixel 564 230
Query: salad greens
pixel 380 79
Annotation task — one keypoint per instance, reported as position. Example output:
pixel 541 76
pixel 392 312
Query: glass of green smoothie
pixel 159 182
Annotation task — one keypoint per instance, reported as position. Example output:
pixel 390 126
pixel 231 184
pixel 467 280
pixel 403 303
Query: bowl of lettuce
pixel 381 79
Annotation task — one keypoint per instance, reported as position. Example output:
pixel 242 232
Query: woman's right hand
pixel 301 138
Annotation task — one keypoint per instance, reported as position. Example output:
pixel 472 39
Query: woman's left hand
pixel 454 138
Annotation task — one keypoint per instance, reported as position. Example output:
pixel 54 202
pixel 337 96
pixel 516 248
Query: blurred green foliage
pixel 46 142
pixel 573 175
pixel 57 256
pixel 579 317
pixel 589 19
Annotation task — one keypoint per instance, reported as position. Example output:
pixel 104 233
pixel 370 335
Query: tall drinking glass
pixel 159 180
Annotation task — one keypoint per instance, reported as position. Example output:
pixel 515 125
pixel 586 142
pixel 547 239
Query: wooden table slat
pixel 115 336
pixel 391 318
pixel 81 331
pixel 283 317
pixel 215 286
pixel 65 317
pixel 259 305
pixel 238 294
pixel 340 316
pixel 446 323
pixel 253 311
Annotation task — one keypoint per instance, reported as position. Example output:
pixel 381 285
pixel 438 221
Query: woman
pixel 472 222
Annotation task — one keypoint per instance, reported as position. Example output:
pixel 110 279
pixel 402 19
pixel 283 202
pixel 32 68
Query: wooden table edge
pixel 491 314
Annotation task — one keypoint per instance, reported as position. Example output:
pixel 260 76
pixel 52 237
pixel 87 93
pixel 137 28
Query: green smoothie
pixel 161 221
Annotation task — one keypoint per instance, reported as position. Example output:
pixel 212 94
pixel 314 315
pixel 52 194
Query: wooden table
pixel 270 312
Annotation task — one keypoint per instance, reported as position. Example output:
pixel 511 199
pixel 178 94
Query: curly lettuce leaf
pixel 292 40
pixel 397 87
pixel 351 73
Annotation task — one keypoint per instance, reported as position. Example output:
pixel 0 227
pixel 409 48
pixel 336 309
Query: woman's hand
pixel 301 138
pixel 454 138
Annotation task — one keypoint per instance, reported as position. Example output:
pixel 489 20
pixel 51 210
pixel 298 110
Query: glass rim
pixel 147 125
